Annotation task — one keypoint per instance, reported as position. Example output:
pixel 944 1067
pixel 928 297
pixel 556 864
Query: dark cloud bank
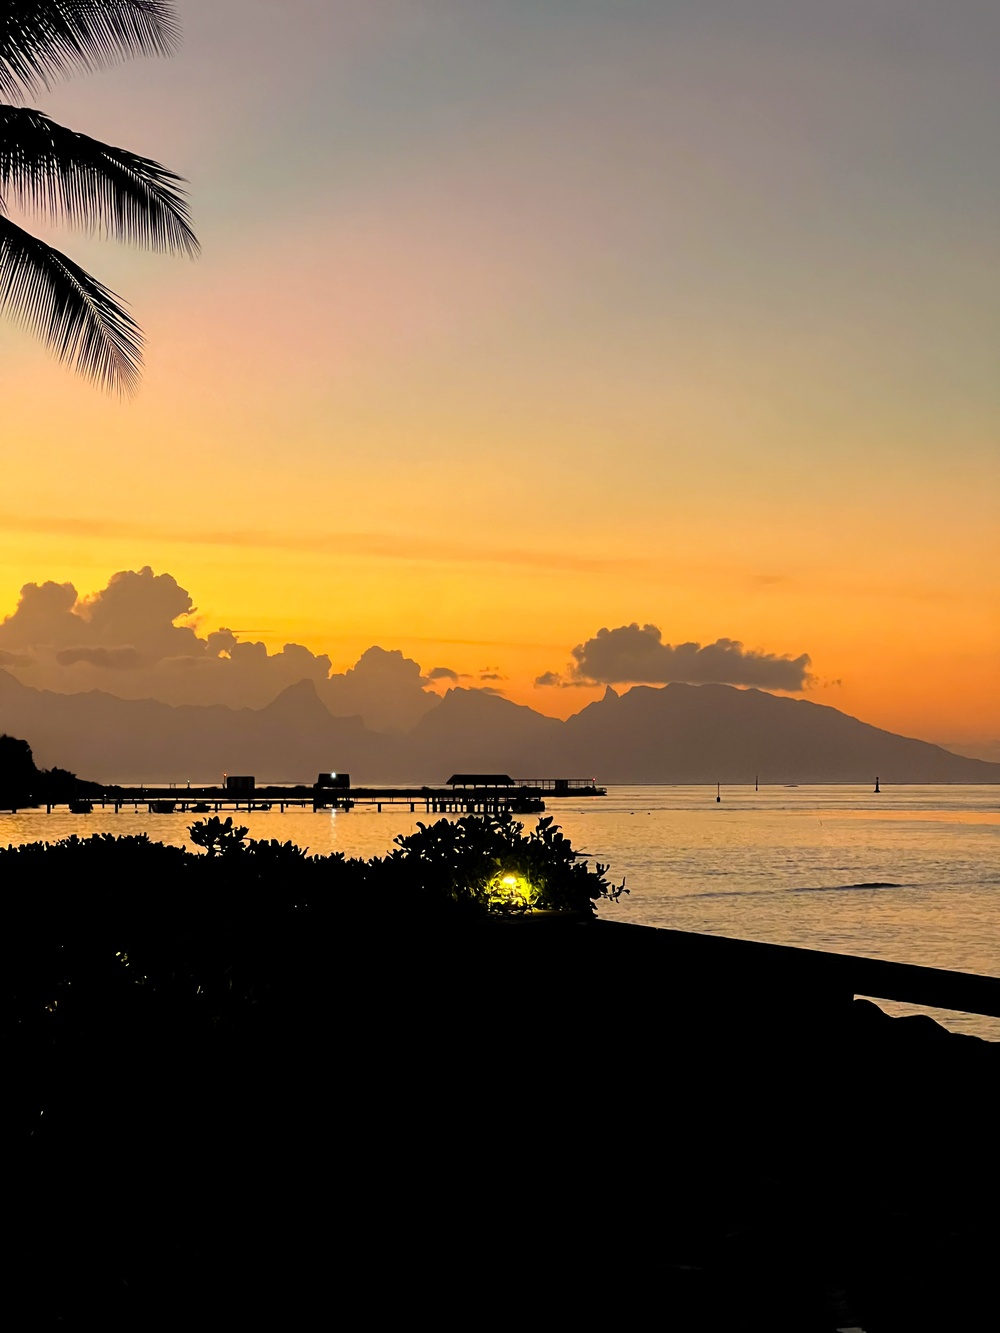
pixel 636 655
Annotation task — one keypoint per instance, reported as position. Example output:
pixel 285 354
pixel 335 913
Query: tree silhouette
pixel 77 180
pixel 218 837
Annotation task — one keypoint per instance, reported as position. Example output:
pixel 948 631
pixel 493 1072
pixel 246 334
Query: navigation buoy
pixel 878 789
pixel 718 791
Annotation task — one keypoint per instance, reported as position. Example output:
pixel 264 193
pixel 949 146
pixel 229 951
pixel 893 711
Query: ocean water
pixel 911 875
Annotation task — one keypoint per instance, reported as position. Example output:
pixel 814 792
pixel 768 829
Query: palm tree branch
pixel 82 321
pixel 66 175
pixel 45 39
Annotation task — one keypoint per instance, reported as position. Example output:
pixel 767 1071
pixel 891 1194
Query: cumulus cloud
pixel 125 638
pixel 383 687
pixel 137 609
pixel 45 614
pixel 442 673
pixel 634 654
pixel 138 638
pixel 140 608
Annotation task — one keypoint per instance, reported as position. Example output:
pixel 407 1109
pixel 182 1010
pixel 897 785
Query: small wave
pixel 844 888
pixel 775 893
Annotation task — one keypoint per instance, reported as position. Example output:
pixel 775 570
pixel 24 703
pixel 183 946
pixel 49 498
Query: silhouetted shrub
pixel 110 931
pixel 219 837
pixel 489 863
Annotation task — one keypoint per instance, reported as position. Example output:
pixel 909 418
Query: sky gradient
pixel 516 320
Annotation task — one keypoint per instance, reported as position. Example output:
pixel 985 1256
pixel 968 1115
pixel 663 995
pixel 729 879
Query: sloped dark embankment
pixel 262 1093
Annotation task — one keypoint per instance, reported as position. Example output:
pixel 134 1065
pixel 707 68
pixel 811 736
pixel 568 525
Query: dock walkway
pixel 524 798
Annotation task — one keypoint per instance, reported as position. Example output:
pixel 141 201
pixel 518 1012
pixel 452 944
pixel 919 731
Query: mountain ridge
pixel 677 733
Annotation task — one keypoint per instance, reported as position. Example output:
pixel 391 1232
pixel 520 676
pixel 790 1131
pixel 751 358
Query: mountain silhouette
pixel 716 733
pixel 675 734
pixel 473 732
pixel 144 741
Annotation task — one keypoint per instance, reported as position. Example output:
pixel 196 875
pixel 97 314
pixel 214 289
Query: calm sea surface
pixel 911 875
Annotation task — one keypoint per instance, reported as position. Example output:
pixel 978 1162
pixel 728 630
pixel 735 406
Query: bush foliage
pixel 105 931
pixel 489 862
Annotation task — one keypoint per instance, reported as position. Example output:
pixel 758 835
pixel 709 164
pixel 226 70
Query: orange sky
pixel 515 322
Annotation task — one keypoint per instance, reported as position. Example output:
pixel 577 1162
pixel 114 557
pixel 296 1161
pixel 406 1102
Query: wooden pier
pixel 525 796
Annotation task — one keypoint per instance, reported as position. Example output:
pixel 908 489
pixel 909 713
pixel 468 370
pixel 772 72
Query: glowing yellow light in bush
pixel 512 893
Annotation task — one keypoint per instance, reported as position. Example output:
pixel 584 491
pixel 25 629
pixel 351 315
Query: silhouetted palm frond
pixel 87 183
pixel 80 319
pixel 79 180
pixel 45 39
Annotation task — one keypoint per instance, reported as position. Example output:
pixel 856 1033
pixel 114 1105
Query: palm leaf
pixel 67 175
pixel 45 39
pixel 80 319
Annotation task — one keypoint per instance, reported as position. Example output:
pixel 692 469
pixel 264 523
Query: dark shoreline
pixel 464 1123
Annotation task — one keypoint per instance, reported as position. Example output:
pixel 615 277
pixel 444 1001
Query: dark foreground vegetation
pixel 255 1088
pixel 22 783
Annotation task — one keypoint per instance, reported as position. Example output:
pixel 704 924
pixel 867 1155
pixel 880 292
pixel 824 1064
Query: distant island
pixel 674 734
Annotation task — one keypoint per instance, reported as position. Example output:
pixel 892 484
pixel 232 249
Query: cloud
pixel 134 638
pixel 44 615
pixel 557 680
pixel 379 546
pixel 114 659
pixel 383 687
pixel 126 638
pixel 549 678
pixel 137 609
pixel 491 675
pixel 220 641
pixel 634 654
pixel 140 608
